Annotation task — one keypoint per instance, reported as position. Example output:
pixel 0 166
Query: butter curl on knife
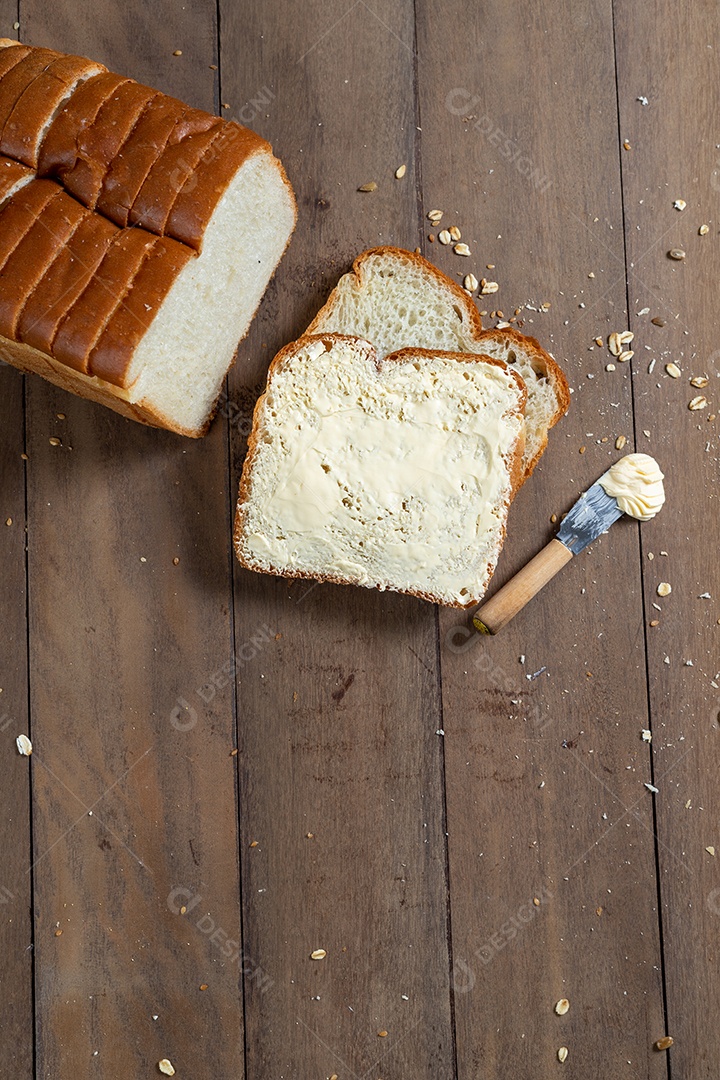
pixel 632 486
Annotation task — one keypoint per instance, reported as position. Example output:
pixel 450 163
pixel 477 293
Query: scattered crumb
pixel 24 746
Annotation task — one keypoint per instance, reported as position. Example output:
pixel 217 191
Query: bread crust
pixel 132 163
pixel 80 330
pixel 64 281
pixel 11 174
pixel 12 53
pixel 170 171
pixel 545 363
pixel 21 211
pixel 59 150
pixel 513 459
pixel 99 143
pixel 34 254
pixel 21 74
pixel 35 107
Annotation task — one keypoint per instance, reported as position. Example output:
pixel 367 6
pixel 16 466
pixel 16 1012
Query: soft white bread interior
pixel 178 368
pixel 393 474
pixel 396 299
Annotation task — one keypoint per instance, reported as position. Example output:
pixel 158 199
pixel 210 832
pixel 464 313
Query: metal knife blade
pixel 591 516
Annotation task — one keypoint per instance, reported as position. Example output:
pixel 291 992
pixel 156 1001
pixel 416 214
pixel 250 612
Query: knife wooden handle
pixel 514 595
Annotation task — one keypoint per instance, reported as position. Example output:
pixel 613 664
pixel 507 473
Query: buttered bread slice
pixel 392 474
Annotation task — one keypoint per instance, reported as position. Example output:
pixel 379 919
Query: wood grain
pixel 462 824
pixel 541 767
pixel 16 931
pixel 338 724
pixel 674 156
pixel 133 785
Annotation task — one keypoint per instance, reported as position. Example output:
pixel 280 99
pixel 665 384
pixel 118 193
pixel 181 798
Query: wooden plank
pixel 673 64
pixel 338 724
pixel 552 878
pixel 134 804
pixel 16 971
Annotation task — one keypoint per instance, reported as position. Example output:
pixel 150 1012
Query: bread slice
pixel 397 299
pixel 391 474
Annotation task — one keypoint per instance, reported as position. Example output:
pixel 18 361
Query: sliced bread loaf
pixel 397 299
pixel 392 474
pixel 144 306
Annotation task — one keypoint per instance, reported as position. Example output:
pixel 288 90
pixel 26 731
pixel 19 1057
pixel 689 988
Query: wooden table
pixel 231 771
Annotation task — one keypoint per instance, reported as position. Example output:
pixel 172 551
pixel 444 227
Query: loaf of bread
pixel 393 473
pixel 137 237
pixel 396 300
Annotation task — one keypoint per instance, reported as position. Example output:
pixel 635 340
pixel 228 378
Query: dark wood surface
pixel 230 771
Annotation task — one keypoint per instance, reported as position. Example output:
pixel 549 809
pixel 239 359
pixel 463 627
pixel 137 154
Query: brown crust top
pixel 59 150
pixel 19 213
pixel 152 206
pixel 86 320
pixel 64 281
pixel 11 173
pixel 513 458
pixel 34 254
pixel 38 102
pixel 19 78
pixel 12 53
pixel 130 166
pixel 98 144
